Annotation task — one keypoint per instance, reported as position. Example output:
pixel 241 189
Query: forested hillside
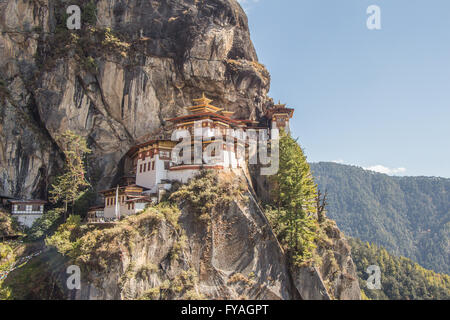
pixel 410 216
pixel 401 278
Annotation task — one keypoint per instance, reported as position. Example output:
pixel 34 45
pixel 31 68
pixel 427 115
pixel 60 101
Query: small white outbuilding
pixel 27 211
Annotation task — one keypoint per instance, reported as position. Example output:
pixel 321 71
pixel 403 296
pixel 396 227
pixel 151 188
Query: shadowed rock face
pixel 112 93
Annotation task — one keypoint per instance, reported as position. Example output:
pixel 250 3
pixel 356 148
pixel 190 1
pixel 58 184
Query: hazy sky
pixel 363 97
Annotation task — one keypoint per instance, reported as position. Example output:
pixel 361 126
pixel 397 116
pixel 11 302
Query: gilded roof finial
pixel 203 105
pixel 203 101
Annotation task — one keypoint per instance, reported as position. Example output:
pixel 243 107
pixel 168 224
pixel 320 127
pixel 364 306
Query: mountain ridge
pixel 407 215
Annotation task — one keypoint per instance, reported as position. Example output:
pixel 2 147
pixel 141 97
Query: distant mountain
pixel 409 216
pixel 401 278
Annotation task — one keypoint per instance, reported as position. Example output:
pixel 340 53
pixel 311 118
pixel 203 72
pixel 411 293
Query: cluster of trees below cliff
pixel 409 216
pixel 401 278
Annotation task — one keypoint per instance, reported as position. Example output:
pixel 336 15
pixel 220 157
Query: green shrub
pixel 7 225
pixel 45 225
pixel 5 252
pixel 89 13
pixel 151 294
pixel 182 285
pixel 90 64
pixel 83 204
pixel 145 271
pixel 65 238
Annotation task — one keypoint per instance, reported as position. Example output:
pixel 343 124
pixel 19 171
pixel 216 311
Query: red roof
pixel 28 201
pixel 123 187
pixel 144 144
pixel 197 115
pixel 138 198
pixel 95 208
pixel 6 197
pixel 247 121
pixel 281 108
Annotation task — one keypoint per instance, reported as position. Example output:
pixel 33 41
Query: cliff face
pixel 216 244
pixel 234 255
pixel 334 277
pixel 227 251
pixel 114 81
pixel 226 257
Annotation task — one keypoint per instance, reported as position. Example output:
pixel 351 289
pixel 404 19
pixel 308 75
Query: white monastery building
pixel 154 168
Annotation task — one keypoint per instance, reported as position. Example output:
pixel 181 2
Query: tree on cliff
pixel 294 196
pixel 72 184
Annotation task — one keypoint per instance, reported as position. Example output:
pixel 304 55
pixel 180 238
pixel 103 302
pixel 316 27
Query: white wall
pixel 151 178
pixel 28 216
pixel 28 210
pixel 99 213
pixel 27 220
pixel 148 178
pixel 139 206
pixel 182 175
pixel 110 211
pixel 230 160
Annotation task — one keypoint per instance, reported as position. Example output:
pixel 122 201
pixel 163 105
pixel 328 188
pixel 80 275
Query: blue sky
pixel 374 98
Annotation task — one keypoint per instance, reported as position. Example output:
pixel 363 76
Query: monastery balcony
pixel 100 220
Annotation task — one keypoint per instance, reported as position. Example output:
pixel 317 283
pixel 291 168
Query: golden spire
pixel 280 104
pixel 203 105
pixel 203 101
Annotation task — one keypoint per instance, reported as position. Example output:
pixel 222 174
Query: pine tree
pixel 294 195
pixel 71 185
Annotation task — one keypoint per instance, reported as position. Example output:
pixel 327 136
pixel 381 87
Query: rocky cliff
pixel 229 252
pixel 132 65
pixel 213 242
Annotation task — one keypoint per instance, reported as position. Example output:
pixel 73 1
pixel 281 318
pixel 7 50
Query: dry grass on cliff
pixel 99 249
pixel 182 286
pixel 209 191
pixel 102 248
pixel 256 67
